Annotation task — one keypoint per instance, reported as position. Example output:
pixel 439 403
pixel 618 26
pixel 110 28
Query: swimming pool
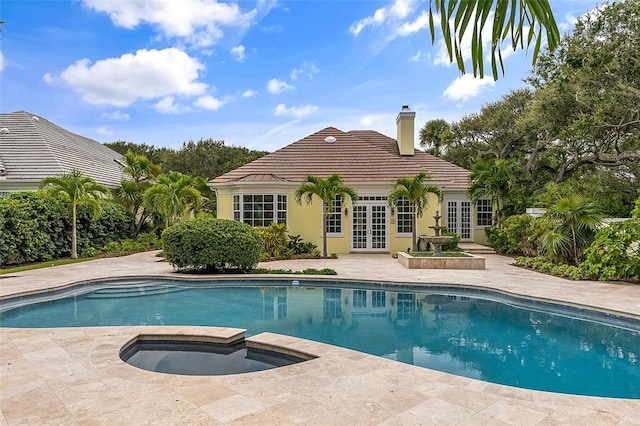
pixel 471 333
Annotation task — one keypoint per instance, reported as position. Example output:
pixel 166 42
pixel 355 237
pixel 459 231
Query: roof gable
pixel 35 148
pixel 358 155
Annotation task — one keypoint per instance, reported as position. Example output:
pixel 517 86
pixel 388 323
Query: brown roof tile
pixel 358 155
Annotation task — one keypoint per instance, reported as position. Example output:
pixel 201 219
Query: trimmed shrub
pixel 615 252
pixel 452 245
pixel 213 245
pixel 495 237
pixel 111 224
pixel 35 226
pixel 144 242
pixel 542 264
pixel 274 239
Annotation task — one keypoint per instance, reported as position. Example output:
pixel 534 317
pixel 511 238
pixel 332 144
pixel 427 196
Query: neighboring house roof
pixel 33 148
pixel 358 155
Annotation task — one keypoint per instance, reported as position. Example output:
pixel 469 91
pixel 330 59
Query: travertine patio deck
pixel 75 376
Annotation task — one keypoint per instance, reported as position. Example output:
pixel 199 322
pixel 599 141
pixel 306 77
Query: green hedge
pixel 213 245
pixel 35 226
pixel 615 252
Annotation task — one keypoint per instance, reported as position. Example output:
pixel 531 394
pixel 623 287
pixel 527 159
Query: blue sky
pixel 258 74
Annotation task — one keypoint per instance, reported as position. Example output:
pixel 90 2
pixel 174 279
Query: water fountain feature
pixel 437 259
pixel 436 241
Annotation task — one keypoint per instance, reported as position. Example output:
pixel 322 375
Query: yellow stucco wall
pixel 306 220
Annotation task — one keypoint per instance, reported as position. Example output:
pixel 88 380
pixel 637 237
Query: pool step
pixel 137 291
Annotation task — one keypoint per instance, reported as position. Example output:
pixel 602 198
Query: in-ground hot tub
pixel 186 355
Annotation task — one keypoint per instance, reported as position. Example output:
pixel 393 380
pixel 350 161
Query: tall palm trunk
pixel 74 233
pixel 324 231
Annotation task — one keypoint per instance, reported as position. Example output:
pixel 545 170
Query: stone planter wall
pixel 471 262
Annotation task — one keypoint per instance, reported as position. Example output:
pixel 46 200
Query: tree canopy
pixel 207 158
pixel 577 125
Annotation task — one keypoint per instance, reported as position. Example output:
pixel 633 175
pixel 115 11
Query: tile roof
pixel 35 148
pixel 357 155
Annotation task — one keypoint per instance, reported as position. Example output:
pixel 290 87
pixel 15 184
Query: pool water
pixel 465 333
pixel 190 358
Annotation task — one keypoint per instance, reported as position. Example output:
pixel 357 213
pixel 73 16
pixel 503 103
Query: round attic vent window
pixel 330 139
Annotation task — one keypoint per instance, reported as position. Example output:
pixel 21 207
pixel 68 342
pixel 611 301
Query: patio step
pixel 474 248
pixel 137 291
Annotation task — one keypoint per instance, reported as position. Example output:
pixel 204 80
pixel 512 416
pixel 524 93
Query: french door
pixel 369 228
pixel 459 218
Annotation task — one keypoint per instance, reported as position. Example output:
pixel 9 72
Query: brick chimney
pixel 406 130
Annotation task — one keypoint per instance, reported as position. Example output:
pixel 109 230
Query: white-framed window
pixel 333 224
pixel 378 299
pixel 404 218
pixel 332 304
pixel 484 213
pixel 359 298
pixel 260 209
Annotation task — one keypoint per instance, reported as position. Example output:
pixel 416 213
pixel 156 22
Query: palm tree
pixel 76 188
pixel 416 191
pixel 131 191
pixel 521 20
pixel 434 135
pixel 171 196
pixel 326 190
pixel 573 222
pixel 493 180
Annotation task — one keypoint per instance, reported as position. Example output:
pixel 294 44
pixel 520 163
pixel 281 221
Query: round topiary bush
pixel 213 245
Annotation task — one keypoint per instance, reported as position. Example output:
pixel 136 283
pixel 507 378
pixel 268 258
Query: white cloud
pixel 200 22
pixel 48 78
pixel 466 87
pixel 104 131
pixel 146 74
pixel 397 10
pixel 420 23
pixel 376 121
pixel 307 69
pixel 275 86
pixel 209 102
pixel 249 94
pixel 1 62
pixel 167 106
pixel 297 112
pixel 117 115
pixel 238 52
pixel 420 56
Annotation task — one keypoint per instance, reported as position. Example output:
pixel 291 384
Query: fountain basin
pixel 469 261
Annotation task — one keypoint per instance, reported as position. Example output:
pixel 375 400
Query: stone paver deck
pixel 75 376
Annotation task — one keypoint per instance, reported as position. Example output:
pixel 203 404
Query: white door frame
pixel 369 226
pixel 459 217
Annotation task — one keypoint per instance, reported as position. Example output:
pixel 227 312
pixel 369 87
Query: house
pixel 32 148
pixel 262 191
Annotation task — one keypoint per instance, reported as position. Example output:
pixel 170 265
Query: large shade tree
pixel 326 190
pixel 76 188
pixel 587 99
pixel 417 192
